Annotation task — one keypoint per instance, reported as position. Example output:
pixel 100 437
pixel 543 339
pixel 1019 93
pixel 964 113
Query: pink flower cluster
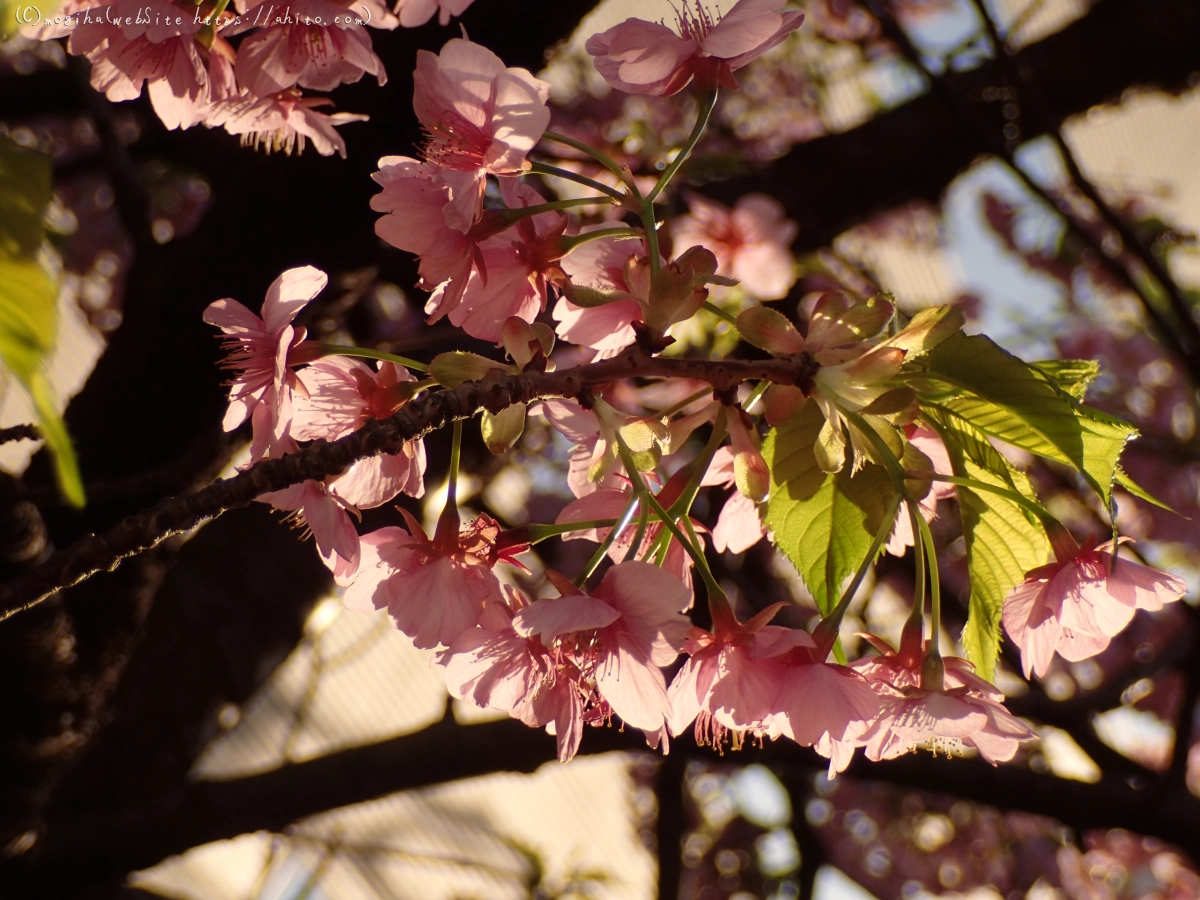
pixel 182 54
pixel 1075 606
pixel 290 392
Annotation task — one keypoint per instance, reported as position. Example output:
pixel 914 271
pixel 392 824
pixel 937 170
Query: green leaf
pixel 1005 398
pixel 1140 492
pixel 927 329
pixel 1070 375
pixel 1003 541
pixel 29 299
pixel 25 192
pixel 824 523
pixel 66 468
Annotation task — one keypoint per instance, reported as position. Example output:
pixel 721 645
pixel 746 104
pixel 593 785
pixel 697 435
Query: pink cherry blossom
pixel 600 265
pixel 512 276
pixel 261 352
pixel 339 396
pixel 132 46
pixel 640 57
pixel 616 270
pixel 434 591
pixel 626 630
pixel 294 53
pixel 739 525
pixel 324 514
pixel 750 241
pixel 282 122
pixel 931 445
pixel 1075 606
pixel 731 682
pixel 479 118
pixel 823 705
pixel 414 196
pixel 966 713
pixel 493 667
pixel 414 13
pixel 582 428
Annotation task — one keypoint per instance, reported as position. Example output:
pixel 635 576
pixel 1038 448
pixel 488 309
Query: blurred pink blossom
pixel 640 57
pixel 750 241
pixel 414 13
pixel 282 122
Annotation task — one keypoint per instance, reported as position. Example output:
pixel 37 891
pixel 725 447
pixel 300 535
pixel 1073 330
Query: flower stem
pixel 640 534
pixel 546 169
pixel 595 154
pixel 516 213
pixel 669 523
pixel 567 244
pixel 446 536
pixel 976 485
pixel 720 313
pixel 827 629
pixel 602 550
pixel 707 102
pixel 367 353
pixel 539 533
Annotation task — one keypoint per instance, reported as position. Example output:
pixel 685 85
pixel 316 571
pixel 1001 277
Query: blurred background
pixel 208 722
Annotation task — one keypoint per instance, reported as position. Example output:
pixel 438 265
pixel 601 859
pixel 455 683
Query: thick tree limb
pixel 322 459
pixel 140 835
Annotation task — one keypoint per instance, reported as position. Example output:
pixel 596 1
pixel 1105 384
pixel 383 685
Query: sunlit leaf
pixel 1071 375
pixel 1006 399
pixel 824 523
pixel 1003 541
pixel 29 298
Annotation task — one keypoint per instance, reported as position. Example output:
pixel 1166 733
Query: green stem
pixel 516 213
pixel 546 169
pixel 668 522
pixel 640 534
pixel 650 224
pixel 976 485
pixel 539 533
pixel 606 544
pixel 706 107
pixel 366 353
pixel 446 536
pixel 682 404
pixel 720 313
pixel 935 589
pixel 567 244
pixel 759 390
pixel 829 626
pixel 591 151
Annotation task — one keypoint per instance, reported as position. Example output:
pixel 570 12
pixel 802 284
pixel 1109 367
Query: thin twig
pixel 173 515
pixel 996 144
pixel 1030 97
pixel 20 433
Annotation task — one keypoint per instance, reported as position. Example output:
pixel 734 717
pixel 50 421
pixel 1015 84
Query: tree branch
pixel 139 835
pixel 322 459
